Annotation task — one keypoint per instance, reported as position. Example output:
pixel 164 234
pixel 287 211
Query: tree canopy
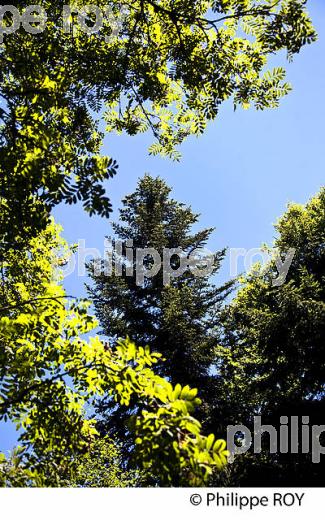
pixel 168 69
pixel 272 359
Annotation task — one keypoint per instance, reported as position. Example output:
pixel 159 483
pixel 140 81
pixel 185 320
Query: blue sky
pixel 240 175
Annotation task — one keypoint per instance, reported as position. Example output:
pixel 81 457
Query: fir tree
pixel 179 319
pixel 272 362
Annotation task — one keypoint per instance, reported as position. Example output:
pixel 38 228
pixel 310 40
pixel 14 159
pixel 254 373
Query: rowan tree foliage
pixel 167 69
pixel 178 318
pixel 272 359
pixel 100 466
pixel 13 473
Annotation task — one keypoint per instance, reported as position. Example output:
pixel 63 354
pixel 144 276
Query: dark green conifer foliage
pixel 273 359
pixel 180 319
